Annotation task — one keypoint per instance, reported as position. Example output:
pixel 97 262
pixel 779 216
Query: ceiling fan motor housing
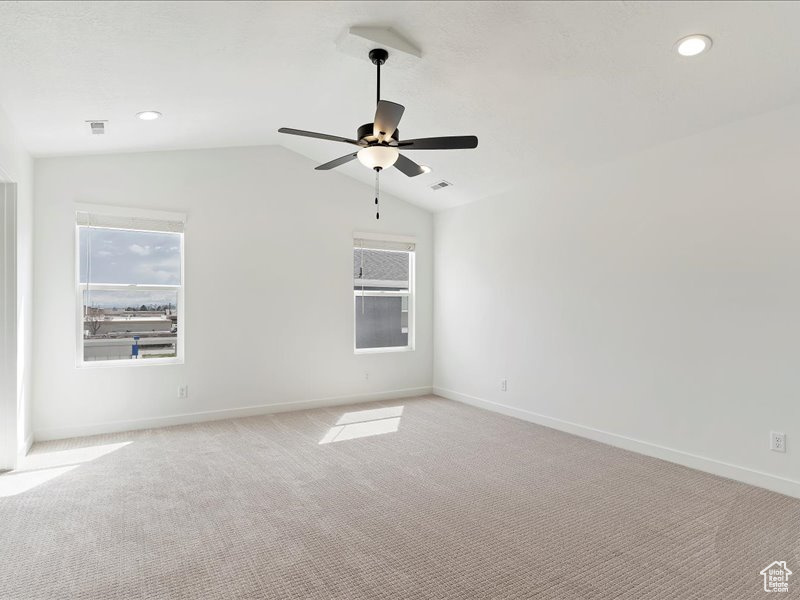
pixel 366 133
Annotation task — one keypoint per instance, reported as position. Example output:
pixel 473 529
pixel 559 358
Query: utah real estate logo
pixel 776 577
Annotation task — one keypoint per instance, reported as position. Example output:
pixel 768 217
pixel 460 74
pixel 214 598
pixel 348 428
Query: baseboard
pixel 775 483
pixel 41 435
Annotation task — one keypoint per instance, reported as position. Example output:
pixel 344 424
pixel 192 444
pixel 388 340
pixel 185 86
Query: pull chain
pixel 377 193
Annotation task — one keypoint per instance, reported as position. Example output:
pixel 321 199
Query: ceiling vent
pixel 441 184
pixel 97 127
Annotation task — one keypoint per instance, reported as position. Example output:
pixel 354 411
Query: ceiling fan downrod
pixel 378 57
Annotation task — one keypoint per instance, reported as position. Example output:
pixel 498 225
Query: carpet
pixel 418 498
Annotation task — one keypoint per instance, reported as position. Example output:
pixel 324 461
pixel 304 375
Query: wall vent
pixel 440 184
pixel 97 127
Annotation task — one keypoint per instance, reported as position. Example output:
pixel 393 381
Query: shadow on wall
pixel 40 467
pixel 364 423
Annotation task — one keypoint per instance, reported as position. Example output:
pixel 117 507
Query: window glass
pixel 130 294
pixel 382 284
pixel 129 257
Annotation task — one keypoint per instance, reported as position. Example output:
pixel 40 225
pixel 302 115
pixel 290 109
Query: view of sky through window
pixel 129 257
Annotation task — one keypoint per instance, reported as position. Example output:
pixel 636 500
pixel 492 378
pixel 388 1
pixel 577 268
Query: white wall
pixel 653 302
pixel 16 165
pixel 264 231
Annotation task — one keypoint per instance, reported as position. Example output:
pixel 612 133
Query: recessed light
pixel 149 115
pixel 692 45
pixel 425 168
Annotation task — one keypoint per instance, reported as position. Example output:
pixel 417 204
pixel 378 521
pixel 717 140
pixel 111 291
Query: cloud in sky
pixel 141 250
pixel 128 257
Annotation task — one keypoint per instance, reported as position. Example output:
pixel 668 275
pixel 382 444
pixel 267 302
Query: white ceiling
pixel 545 86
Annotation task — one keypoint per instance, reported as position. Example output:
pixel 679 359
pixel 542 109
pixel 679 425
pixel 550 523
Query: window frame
pixel 410 294
pixel 80 288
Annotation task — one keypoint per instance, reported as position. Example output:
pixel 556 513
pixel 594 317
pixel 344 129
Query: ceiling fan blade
pixel 453 142
pixel 387 118
pixel 408 166
pixel 336 162
pixel 321 136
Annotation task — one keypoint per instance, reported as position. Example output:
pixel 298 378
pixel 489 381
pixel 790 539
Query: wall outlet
pixel 777 441
pixel 366 376
pixel 183 392
pixel 504 385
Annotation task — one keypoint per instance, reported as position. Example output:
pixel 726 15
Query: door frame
pixel 8 323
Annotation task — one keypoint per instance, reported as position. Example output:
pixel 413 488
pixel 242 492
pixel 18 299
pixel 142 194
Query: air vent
pixel 440 184
pixel 97 127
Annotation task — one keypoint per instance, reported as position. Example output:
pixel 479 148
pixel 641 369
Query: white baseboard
pixel 41 435
pixel 775 483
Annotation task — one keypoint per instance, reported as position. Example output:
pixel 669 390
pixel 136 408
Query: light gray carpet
pixel 457 503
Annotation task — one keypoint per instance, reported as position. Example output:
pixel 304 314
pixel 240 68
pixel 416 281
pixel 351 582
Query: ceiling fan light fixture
pixel 378 157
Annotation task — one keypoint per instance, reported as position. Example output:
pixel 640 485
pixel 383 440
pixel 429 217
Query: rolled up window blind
pixel 98 219
pixel 383 245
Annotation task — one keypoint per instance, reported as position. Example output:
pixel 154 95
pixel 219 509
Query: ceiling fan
pixel 380 141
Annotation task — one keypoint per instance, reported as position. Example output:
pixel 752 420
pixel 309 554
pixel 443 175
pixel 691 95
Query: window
pixel 383 291
pixel 129 288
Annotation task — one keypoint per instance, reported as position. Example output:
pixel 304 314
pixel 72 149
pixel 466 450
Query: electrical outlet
pixel 777 441
pixel 366 376
pixel 504 385
pixel 183 392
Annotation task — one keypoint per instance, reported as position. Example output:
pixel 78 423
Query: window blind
pixel 97 219
pixel 369 244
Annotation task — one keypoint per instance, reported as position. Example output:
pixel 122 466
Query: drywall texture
pixel 655 297
pixel 269 301
pixel 16 166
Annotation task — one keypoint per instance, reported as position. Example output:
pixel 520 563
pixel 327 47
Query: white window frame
pixel 410 294
pixel 126 213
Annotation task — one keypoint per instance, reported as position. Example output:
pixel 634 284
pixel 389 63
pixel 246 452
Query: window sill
pixel 127 362
pixel 383 350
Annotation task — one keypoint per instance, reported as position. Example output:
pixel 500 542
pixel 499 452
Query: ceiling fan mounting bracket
pixel 378 56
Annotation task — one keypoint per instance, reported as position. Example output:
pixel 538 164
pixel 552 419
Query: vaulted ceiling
pixel 546 86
